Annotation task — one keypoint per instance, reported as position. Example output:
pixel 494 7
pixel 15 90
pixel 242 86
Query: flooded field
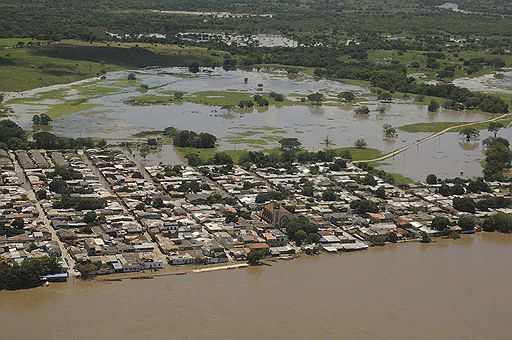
pixel 384 293
pixel 488 83
pixel 100 109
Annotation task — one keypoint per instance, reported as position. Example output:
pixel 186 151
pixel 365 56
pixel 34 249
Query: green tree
pixel 389 131
pixel 347 96
pixel 255 256
pixel 194 67
pixel 131 76
pixel 469 133
pixel 290 144
pixel 362 110
pixel 360 143
pixel 433 106
pixel 431 179
pixel 316 98
pixel 425 238
pixel 467 223
pixel 495 127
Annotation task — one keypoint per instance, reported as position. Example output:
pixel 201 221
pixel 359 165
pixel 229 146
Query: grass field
pixel 206 154
pixel 360 154
pixel 69 61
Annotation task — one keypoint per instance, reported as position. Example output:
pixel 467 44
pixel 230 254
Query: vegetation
pixel 191 139
pixel 255 256
pixel 497 159
pixel 301 230
pixel 498 222
pixel 28 273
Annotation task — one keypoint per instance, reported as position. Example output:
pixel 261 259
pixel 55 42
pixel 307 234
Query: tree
pixel 221 158
pixel 439 223
pixel 497 159
pixel 346 96
pixel 18 223
pixel 230 217
pixel 431 179
pixel 469 133
pixel 178 95
pixel 316 98
pixel 300 237
pixel 433 106
pixel 194 67
pixel 41 194
pixel 131 76
pixel 498 222
pixel 329 195
pixel 364 206
pixel 36 120
pixel 360 143
pixel 90 217
pixel 495 127
pixel 277 96
pixel 290 144
pixel 464 204
pixel 255 256
pixel 425 238
pixel 2 97
pixel 229 63
pixel 467 223
pixel 385 97
pixel 244 104
pixel 327 142
pixel 380 192
pixel 193 159
pixel 389 131
pixel 362 110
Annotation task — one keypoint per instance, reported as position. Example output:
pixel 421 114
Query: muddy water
pixel 449 290
pixel 114 120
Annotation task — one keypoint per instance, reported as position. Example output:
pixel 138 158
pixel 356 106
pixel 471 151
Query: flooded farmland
pixel 100 109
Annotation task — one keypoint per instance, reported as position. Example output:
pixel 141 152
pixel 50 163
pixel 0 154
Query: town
pixel 102 212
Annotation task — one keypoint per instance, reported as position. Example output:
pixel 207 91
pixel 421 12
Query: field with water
pixel 118 109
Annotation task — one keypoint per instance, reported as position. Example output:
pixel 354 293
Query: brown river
pixel 453 289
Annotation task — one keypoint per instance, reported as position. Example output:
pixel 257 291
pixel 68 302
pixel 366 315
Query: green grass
pixel 206 154
pixel 69 61
pixel 360 154
pixel 401 179
pixel 248 141
pixel 149 133
pixel 12 42
pixel 207 98
pixel 147 100
pixel 440 126
pixel 58 110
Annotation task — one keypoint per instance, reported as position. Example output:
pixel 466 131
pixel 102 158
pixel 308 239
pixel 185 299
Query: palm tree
pixel 327 142
pixel 495 128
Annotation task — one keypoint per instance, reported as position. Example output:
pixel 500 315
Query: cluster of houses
pixel 110 210
pixel 22 232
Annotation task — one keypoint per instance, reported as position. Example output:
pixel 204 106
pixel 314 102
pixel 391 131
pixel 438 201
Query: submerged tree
pixel 469 133
pixel 495 127
pixel 389 131
pixel 360 143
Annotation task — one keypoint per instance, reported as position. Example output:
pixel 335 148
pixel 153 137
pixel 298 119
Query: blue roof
pixel 55 276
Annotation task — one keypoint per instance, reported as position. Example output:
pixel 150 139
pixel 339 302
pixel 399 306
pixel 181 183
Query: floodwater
pixel 447 156
pixel 453 289
pixel 487 83
pixel 111 118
